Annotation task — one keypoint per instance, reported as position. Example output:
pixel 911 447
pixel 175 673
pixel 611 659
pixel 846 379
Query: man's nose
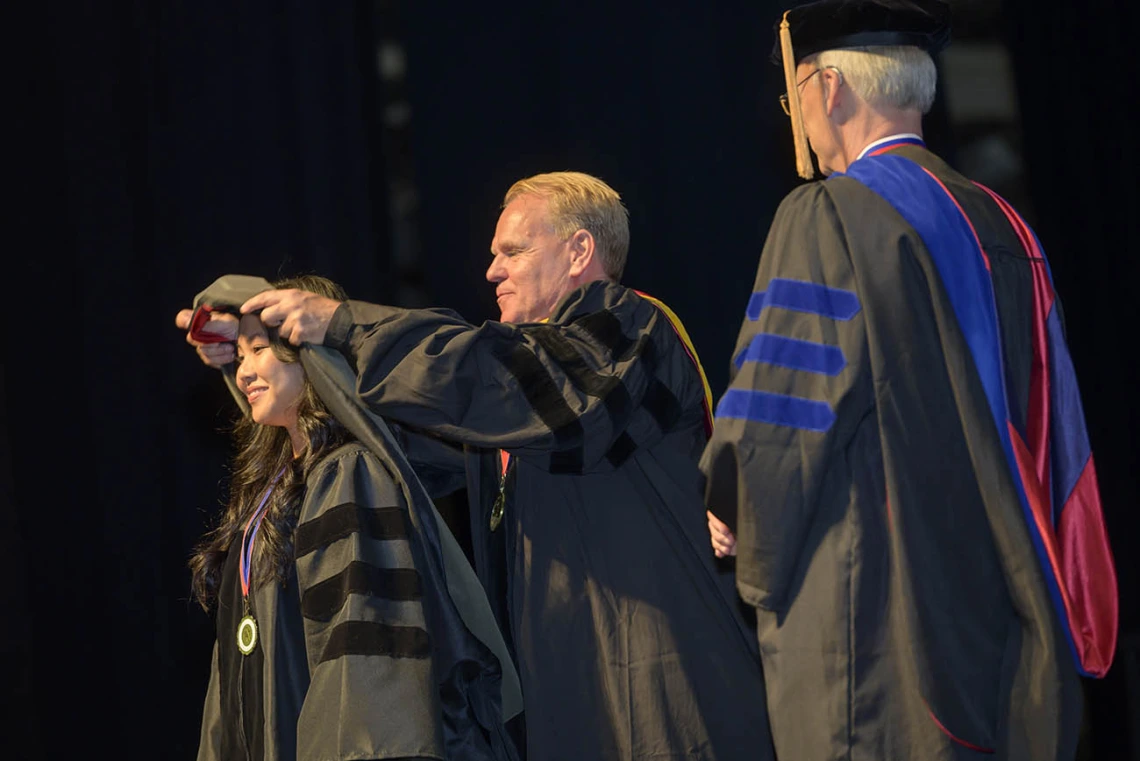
pixel 496 272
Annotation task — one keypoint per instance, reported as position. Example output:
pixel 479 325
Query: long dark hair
pixel 262 452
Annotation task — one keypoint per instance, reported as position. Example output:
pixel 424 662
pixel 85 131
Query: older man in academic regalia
pixel 901 465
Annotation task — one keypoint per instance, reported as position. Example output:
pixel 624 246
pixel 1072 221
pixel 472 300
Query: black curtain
pixel 1076 70
pixel 163 144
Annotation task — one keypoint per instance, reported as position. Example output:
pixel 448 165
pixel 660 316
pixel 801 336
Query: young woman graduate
pixel 337 636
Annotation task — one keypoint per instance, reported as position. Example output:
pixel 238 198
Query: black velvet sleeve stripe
pixel 659 401
pixel 608 388
pixel 321 602
pixel 662 405
pixel 343 520
pixel 370 638
pixel 621 449
pixel 544 396
pixel 606 330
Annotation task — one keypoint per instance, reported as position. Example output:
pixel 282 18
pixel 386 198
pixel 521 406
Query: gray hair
pixel 579 201
pixel 901 77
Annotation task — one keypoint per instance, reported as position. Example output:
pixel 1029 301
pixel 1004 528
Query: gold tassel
pixel 803 154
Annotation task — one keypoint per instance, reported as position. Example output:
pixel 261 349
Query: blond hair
pixel 898 76
pixel 579 201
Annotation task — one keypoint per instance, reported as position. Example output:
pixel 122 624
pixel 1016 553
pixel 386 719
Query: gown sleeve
pixel 565 394
pixel 210 739
pixel 794 398
pixel 372 691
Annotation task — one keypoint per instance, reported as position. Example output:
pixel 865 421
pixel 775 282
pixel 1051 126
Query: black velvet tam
pixel 833 24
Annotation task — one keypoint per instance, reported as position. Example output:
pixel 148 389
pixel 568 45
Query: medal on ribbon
pixel 497 511
pixel 247 634
pixel 500 503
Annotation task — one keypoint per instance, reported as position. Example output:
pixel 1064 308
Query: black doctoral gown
pixel 902 609
pixel 629 640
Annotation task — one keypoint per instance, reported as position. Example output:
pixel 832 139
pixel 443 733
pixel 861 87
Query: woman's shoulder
pixel 347 449
pixel 350 460
pixel 348 455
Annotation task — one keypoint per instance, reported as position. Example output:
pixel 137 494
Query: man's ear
pixel 832 84
pixel 582 248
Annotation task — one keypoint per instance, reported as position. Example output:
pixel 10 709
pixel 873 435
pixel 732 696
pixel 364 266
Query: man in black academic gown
pixel 582 415
pixel 900 464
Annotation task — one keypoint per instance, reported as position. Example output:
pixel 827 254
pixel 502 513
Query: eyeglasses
pixel 784 96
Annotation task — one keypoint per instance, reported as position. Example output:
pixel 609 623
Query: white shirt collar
pixel 886 139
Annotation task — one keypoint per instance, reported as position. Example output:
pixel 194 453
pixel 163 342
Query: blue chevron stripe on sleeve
pixel 793 353
pixel 776 409
pixel 804 296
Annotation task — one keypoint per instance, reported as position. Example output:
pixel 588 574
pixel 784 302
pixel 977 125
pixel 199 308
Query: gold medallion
pixel 247 635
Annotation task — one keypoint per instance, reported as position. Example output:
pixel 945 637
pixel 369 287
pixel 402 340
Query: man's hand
pixel 216 354
pixel 723 542
pixel 301 316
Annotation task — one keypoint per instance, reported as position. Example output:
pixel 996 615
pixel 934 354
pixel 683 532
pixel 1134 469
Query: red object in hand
pixel 199 319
